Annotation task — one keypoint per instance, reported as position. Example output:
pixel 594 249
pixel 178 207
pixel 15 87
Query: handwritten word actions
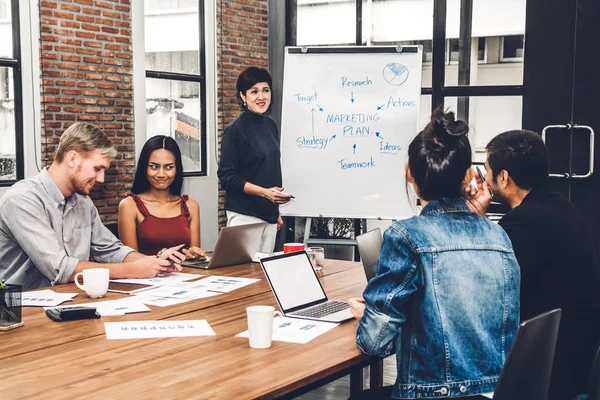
pixel 352 83
pixel 306 98
pixel 313 142
pixel 351 118
pixel 356 164
pixel 389 147
pixel 398 102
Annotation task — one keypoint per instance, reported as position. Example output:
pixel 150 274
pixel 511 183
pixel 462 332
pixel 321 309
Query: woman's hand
pixel 276 195
pixel 195 252
pixel 279 222
pixel 357 305
pixel 174 255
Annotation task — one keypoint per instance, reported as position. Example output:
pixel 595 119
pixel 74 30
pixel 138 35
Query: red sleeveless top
pixel 155 233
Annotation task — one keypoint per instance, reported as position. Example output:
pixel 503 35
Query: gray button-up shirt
pixel 43 236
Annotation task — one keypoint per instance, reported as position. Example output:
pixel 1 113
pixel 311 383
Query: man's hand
pixel 279 222
pixel 357 305
pixel 479 198
pixel 150 266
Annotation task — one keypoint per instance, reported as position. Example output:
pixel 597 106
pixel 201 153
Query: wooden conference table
pixel 46 359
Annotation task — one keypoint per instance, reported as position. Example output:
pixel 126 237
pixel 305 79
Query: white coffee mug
pixel 261 325
pixel 95 281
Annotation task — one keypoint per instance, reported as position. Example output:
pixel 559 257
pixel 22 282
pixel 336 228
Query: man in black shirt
pixel 554 248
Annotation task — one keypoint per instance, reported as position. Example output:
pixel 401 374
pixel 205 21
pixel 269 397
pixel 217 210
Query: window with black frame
pixel 11 142
pixel 175 77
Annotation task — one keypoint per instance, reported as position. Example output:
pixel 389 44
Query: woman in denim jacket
pixel 446 295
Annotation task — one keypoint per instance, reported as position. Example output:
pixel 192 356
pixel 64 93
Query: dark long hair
pixel 140 182
pixel 439 157
pixel 250 77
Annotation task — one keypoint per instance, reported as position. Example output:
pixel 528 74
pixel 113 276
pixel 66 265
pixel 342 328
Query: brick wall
pixel 86 72
pixel 242 41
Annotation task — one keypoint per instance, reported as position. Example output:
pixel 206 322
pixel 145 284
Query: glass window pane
pixel 7 126
pixel 400 22
pixel 512 48
pixel 186 62
pixel 497 29
pixel 172 39
pixel 487 117
pixel 173 109
pixel 326 22
pixel 6 49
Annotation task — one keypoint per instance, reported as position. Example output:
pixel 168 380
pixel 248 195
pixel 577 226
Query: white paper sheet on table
pixel 157 329
pixel 162 279
pixel 295 330
pixel 45 298
pixel 225 284
pixel 118 307
pixel 169 301
pixel 178 290
pixel 489 395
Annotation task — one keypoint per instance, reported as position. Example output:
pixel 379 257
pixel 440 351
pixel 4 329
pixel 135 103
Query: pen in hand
pixel 287 194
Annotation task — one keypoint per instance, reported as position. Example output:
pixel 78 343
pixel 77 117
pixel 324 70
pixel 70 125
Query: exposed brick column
pixel 86 71
pixel 242 41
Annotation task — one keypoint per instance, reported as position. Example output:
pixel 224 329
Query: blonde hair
pixel 84 138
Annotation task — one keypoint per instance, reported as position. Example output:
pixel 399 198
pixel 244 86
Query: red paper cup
pixel 292 247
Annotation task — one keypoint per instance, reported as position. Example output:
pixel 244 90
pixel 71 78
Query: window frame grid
pixel 200 78
pixel 15 64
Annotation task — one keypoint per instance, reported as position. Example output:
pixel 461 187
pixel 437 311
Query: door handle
pixel 591 169
pixel 565 175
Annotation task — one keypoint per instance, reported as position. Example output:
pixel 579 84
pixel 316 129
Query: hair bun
pixel 445 126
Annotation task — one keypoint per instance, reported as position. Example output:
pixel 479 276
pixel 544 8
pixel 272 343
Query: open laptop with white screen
pixel 298 291
pixel 235 245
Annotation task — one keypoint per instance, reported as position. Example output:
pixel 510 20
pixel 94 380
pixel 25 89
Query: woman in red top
pixel 155 215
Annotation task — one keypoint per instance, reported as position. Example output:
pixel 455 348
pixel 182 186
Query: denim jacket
pixel 445 300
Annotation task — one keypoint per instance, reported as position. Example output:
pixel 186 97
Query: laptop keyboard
pixel 321 310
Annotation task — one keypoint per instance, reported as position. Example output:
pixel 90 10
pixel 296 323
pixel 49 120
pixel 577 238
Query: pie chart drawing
pixel 395 74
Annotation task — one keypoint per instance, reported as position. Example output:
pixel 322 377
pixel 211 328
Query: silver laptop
pixel 235 245
pixel 298 291
pixel 369 246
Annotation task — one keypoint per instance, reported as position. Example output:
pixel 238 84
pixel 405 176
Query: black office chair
pixel 369 246
pixel 526 372
pixel 113 227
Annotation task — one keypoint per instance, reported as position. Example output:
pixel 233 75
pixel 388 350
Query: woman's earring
pixel 245 105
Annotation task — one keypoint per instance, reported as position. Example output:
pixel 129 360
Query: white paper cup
pixel 95 281
pixel 261 325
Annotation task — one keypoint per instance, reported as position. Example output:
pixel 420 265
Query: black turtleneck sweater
pixel 250 153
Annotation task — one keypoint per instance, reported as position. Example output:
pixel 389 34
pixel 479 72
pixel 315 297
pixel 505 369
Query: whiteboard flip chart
pixel 348 115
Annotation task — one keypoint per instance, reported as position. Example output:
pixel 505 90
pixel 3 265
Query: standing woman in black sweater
pixel 250 167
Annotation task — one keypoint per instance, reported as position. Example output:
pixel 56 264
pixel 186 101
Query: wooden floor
pixel 340 389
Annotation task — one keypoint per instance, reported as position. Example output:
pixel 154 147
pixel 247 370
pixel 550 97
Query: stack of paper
pixel 225 284
pixel 174 293
pixel 45 298
pixel 161 279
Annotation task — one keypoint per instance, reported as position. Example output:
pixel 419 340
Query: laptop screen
pixel 293 280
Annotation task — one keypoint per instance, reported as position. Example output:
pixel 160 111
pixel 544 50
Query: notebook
pixel 298 291
pixel 235 245
pixel 369 246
